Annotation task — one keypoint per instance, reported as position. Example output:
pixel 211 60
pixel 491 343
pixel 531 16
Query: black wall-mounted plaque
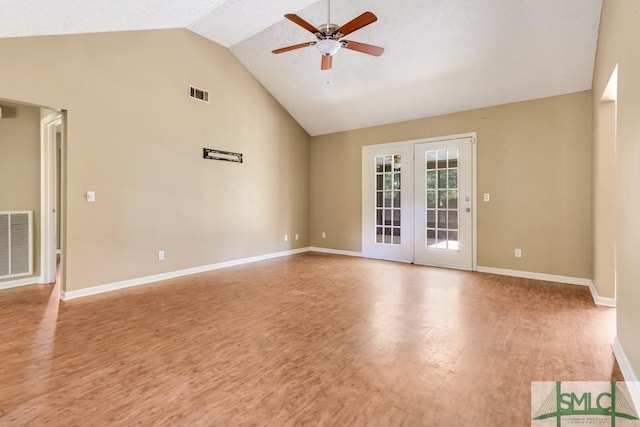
pixel 227 156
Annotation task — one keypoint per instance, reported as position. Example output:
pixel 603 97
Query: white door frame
pixel 48 129
pixel 474 178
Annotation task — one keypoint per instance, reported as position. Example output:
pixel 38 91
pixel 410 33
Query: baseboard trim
pixel 335 251
pixel 95 290
pixel 630 377
pixel 604 301
pixel 21 282
pixel 597 299
pixel 535 276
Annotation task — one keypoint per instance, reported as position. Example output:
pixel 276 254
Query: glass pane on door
pixel 388 199
pixel 441 196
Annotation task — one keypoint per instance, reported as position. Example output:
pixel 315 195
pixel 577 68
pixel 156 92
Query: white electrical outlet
pixel 487 197
pixel 324 235
pixel 297 237
pixel 518 253
pixel 286 237
pixel 160 255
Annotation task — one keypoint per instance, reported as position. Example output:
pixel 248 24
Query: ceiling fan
pixel 329 36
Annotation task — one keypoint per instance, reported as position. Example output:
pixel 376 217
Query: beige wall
pixel 20 165
pixel 135 138
pixel 533 157
pixel 619 43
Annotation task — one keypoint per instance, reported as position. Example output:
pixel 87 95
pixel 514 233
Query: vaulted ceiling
pixel 440 56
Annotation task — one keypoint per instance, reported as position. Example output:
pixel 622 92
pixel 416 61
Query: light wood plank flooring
pixel 305 340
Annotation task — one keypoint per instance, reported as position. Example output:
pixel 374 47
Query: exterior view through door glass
pixel 443 203
pixel 388 199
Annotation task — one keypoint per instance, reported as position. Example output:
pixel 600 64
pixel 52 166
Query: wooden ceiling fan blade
pixel 363 47
pixel 327 62
pixel 294 47
pixel 304 24
pixel 357 23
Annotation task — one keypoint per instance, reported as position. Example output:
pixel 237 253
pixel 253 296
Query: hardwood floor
pixel 305 340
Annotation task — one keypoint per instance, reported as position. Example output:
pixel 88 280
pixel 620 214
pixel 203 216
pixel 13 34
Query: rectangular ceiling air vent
pixel 199 94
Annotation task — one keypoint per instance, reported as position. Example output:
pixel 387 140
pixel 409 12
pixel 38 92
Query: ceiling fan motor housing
pixel 328 30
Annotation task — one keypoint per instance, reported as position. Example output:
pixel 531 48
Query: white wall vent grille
pixel 199 94
pixel 16 244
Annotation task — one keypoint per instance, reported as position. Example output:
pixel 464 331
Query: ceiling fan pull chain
pixel 328 14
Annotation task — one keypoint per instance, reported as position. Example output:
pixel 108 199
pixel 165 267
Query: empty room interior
pixel 233 212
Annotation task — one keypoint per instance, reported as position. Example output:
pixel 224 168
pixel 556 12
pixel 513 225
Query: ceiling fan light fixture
pixel 328 47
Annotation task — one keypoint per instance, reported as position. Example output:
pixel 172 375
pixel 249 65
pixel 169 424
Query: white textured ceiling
pixel 46 17
pixel 440 56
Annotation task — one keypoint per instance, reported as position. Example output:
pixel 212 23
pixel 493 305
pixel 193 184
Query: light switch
pixel 91 196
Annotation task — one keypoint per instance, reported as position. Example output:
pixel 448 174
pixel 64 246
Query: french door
pixel 418 202
pixel 387 223
pixel 443 203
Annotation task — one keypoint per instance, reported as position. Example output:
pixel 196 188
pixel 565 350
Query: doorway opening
pixel 32 171
pixel 604 199
pixel 51 176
